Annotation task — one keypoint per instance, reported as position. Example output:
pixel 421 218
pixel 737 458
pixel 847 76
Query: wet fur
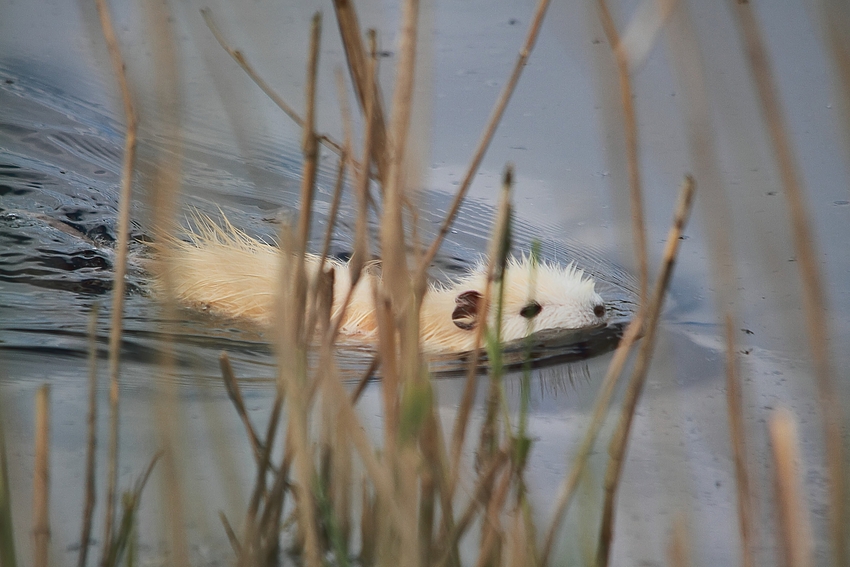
pixel 221 269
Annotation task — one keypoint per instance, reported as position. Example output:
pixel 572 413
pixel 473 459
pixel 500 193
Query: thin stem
pixel 734 407
pixel 795 530
pixel 486 138
pixel 91 446
pixel 497 241
pixel 41 479
pixel 619 441
pixel 630 128
pixel 814 300
pixel 121 246
pixel 366 89
pixel 240 58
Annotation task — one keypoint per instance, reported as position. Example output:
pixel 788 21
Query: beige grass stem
pixel 91 446
pixel 570 483
pixel 486 138
pixel 478 500
pixel 500 234
pixel 231 535
pixel 240 58
pixel 689 66
pixel 600 408
pixel 620 438
pixel 795 543
pixel 41 479
pixel 8 556
pixel 836 20
pixel 364 379
pixel 366 90
pixel 737 432
pixel 393 248
pixel 293 377
pixel 123 230
pixel 814 300
pixel 235 395
pixel 632 155
pixel 678 550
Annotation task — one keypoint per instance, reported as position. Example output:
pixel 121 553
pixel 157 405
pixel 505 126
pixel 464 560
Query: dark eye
pixel 531 310
pixel 599 310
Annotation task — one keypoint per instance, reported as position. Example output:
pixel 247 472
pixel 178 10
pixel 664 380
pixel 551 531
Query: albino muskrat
pixel 223 270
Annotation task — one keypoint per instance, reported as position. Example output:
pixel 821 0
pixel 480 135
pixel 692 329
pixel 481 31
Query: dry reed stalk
pixel 367 91
pixel 364 380
pixel 600 408
pixel 125 532
pixel 482 488
pixel 368 518
pixel 489 437
pixel 345 113
pixel 123 229
pixel 332 388
pixel 395 277
pixel 620 438
pixel 392 232
pixel 678 550
pixel 631 133
pixel 41 479
pixel 337 197
pixel 163 191
pixel 267 541
pixel 361 238
pixel 91 446
pixel 434 449
pixel 231 535
pixel 235 395
pixel 240 58
pixel 390 372
pixel 486 137
pixel 794 528
pixel 343 477
pixel 497 241
pixel 398 321
pixel 8 557
pixel 293 339
pixel 376 471
pixel 520 544
pixel 689 66
pixel 259 490
pixel 310 149
pixel 734 406
pixel 814 299
pixel 836 20
pixel 493 533
pixel 427 509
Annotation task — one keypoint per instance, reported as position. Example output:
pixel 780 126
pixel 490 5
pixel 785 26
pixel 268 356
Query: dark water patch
pixel 9 190
pixel 105 156
pixel 15 130
pixel 14 238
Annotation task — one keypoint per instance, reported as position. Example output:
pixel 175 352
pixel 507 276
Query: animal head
pixel 536 298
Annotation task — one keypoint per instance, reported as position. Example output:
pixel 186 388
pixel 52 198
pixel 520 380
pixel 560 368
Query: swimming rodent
pixel 221 269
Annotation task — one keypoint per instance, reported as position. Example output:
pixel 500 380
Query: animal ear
pixel 465 315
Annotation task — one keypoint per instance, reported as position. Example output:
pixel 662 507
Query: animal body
pixel 223 270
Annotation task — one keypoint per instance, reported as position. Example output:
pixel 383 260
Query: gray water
pixel 61 140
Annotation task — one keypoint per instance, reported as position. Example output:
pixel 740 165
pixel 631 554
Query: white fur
pixel 223 270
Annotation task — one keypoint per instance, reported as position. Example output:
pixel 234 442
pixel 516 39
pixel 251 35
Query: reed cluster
pixel 406 485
